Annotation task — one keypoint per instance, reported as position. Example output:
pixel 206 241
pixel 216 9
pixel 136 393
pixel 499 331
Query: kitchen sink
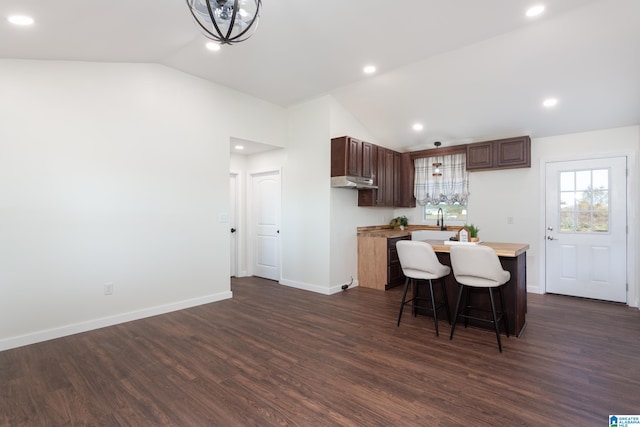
pixel 432 235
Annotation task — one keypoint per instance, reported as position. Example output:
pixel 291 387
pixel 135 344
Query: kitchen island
pixel 513 257
pixel 379 268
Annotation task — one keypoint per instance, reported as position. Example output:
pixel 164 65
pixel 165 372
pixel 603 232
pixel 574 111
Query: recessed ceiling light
pixel 213 46
pixel 369 69
pixel 20 20
pixel 239 147
pixel 418 127
pixel 550 102
pixel 535 10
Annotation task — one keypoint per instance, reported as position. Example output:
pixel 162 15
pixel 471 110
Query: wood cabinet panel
pixel 395 276
pixel 378 263
pixel 480 156
pixel 382 176
pixel 388 178
pixel 351 156
pixel 354 158
pixel 384 179
pixel 367 160
pixel 506 153
pixel 404 172
pixel 513 153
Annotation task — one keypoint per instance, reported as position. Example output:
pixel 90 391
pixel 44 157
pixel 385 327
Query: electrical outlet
pixel 108 288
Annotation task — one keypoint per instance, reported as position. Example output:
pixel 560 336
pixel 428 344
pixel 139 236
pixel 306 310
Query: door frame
pixel 233 222
pixel 251 232
pixel 633 292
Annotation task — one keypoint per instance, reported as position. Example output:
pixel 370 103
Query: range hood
pixel 353 182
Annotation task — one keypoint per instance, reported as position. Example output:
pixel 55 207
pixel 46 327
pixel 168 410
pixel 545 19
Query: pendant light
pixel 226 21
pixel 436 165
pixel 436 170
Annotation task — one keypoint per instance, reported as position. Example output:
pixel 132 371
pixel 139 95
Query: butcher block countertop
pixel 389 232
pixel 502 249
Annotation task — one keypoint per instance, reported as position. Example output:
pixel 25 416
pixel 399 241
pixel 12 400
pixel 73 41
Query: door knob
pixel 233 230
pixel 550 228
pixel 550 238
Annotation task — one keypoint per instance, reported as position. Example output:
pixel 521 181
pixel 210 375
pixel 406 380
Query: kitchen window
pixel 584 201
pixel 442 182
pixel 455 212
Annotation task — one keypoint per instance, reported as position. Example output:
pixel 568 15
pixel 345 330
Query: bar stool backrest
pixel 419 261
pixel 478 266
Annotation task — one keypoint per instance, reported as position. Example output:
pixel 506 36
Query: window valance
pixel 449 188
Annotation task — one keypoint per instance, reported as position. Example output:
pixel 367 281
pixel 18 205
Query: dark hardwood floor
pixel 274 355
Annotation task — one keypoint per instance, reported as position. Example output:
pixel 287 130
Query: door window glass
pixel 584 201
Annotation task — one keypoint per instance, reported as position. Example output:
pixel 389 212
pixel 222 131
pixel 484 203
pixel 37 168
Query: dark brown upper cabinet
pixel 404 175
pixel 383 179
pixel 392 172
pixel 509 153
pixel 352 157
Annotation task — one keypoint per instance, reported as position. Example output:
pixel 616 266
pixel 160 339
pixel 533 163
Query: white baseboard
pixel 63 331
pixel 534 289
pixel 315 288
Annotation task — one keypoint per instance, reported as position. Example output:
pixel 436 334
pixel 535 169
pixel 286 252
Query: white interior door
pixel 586 228
pixel 266 225
pixel 233 222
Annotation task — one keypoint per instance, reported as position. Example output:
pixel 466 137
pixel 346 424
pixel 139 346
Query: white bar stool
pixel 478 266
pixel 419 262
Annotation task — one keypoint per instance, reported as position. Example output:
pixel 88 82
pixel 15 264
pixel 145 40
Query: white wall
pixel 346 216
pixel 114 173
pixel 305 198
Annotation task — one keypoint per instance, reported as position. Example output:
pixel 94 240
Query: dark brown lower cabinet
pixel 395 276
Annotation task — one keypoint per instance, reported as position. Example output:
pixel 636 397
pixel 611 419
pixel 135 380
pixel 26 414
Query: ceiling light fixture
pixel 226 21
pixel 239 147
pixel 535 10
pixel 550 102
pixel 20 20
pixel 369 69
pixel 418 127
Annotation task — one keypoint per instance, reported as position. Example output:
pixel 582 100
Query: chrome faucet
pixel 440 219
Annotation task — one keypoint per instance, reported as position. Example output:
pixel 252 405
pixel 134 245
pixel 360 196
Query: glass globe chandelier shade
pixel 226 21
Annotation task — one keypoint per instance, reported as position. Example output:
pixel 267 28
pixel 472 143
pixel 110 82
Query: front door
pixel 586 223
pixel 265 198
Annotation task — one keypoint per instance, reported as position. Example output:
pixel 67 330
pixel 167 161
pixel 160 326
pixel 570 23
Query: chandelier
pixel 226 21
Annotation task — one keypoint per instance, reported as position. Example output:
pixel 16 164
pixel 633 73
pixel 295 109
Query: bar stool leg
pixel 495 320
pixel 414 295
pixel 446 300
pixel 455 316
pixel 404 297
pixel 467 305
pixel 433 306
pixel 504 313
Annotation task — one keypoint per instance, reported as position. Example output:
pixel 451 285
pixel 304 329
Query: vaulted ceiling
pixel 467 70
